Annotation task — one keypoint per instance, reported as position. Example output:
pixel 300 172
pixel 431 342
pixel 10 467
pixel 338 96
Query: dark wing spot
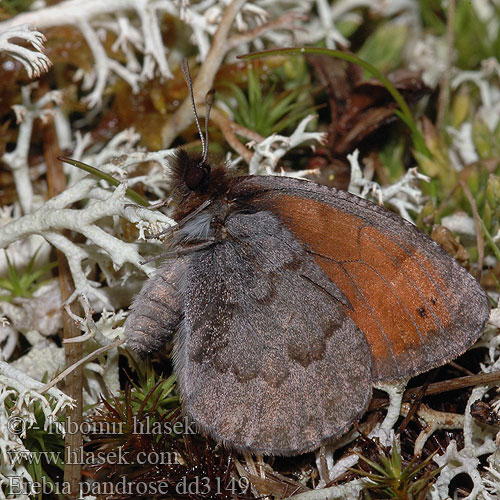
pixel 422 312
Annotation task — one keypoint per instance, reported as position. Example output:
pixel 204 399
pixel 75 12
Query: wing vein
pixel 371 310
pixel 414 285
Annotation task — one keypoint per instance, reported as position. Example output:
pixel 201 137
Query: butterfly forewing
pixel 417 307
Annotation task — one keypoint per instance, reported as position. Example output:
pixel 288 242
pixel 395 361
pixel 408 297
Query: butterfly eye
pixel 196 175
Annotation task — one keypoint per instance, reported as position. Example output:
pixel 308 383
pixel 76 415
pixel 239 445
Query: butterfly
pixel 287 300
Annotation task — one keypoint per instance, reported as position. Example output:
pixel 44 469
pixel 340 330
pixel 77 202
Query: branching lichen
pixel 402 195
pixel 86 221
pixel 34 61
pixel 271 150
pixel 22 393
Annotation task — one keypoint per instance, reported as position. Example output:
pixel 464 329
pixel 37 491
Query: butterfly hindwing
pixel 266 354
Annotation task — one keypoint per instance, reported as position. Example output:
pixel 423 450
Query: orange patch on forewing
pixel 415 286
pixel 396 324
pixel 420 280
pixel 365 319
pixel 396 291
pixel 362 313
pixel 325 229
pixel 445 295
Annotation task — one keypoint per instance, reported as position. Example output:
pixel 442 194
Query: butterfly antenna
pixel 209 100
pixel 189 81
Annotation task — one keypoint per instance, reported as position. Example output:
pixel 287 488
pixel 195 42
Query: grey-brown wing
pixel 266 357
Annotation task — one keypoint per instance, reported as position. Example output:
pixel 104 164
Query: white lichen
pixel 403 195
pixel 35 62
pixel 138 33
pixel 431 421
pixel 17 160
pixel 15 420
pixel 53 216
pixel 477 443
pixel 137 27
pixel 268 152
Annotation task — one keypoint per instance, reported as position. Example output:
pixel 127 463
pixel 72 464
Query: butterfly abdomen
pixel 157 310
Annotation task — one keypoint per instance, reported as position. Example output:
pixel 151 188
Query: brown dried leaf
pixel 445 238
pixel 358 108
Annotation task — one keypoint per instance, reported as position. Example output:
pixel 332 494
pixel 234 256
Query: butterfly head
pixel 191 172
